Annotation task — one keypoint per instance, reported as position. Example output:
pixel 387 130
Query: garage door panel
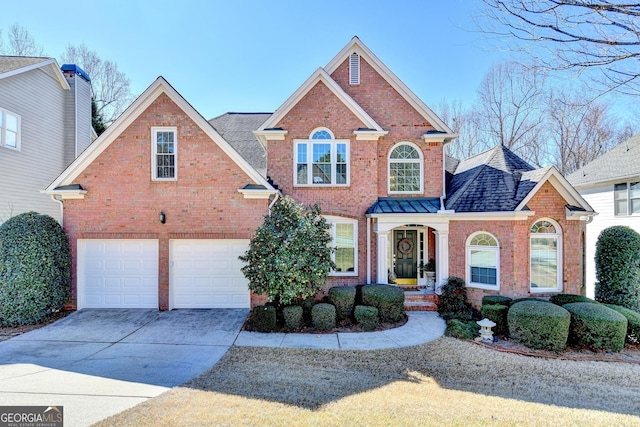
pixel 206 274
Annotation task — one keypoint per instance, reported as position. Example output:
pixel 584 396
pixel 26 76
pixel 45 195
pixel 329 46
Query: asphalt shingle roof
pixel 237 129
pixel 493 181
pixel 11 63
pixel 622 161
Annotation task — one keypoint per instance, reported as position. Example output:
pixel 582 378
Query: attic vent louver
pixel 354 69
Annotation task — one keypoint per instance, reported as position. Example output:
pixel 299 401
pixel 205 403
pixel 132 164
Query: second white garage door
pixel 206 274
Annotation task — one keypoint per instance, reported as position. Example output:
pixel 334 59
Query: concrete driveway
pixel 96 363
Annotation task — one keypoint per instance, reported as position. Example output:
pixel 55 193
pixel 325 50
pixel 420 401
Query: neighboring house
pixel 158 209
pixel 45 122
pixel 611 185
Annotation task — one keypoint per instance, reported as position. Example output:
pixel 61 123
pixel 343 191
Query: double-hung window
pixel 546 257
pixel 321 160
pixel 344 235
pixel 483 261
pixel 627 198
pixel 9 129
pixel 164 144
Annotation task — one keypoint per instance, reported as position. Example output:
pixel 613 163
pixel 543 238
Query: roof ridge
pixel 474 177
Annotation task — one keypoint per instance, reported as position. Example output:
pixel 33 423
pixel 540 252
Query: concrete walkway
pixel 422 327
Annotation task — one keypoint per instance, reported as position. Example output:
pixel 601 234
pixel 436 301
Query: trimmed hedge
pixel 366 316
pixel 596 326
pixel 498 314
pixel 517 300
pixel 343 298
pixel 538 324
pixel 293 316
pixel 633 322
pixel 496 300
pixel 388 299
pixel 323 316
pixel 35 269
pixel 263 318
pixel 562 299
pixel 464 330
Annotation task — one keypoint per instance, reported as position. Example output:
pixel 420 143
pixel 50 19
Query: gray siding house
pixel 45 123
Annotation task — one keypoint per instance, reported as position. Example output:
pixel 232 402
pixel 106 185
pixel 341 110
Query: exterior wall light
pixel 162 217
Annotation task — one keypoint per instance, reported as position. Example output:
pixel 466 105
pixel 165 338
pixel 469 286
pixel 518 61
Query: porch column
pixel 381 252
pixel 442 258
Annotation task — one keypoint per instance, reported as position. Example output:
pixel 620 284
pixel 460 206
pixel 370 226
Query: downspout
pixel 368 251
pixel 275 199
pixel 58 198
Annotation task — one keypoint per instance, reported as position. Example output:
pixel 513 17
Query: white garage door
pixel 206 274
pixel 118 273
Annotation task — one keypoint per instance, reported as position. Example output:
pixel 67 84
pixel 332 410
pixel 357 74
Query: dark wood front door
pixel 406 246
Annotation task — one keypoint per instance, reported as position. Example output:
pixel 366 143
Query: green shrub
pixel 517 300
pixel 388 299
pixel 539 324
pixel 263 318
pixel 497 313
pixel 496 300
pixel 596 326
pixel 464 330
pixel 366 316
pixel 617 260
pixel 307 306
pixel 293 316
pixel 323 316
pixel 562 299
pixel 34 269
pixel 633 322
pixel 453 301
pixel 343 298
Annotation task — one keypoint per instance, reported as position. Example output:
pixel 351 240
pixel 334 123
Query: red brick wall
pixel 123 202
pixel 513 238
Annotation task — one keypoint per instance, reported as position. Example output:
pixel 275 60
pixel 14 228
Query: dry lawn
pixel 445 382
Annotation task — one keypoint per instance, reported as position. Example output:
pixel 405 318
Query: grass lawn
pixel 445 382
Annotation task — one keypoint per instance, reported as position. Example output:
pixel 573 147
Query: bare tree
pixel 510 99
pixel 111 87
pixel 466 122
pixel 21 43
pixel 578 35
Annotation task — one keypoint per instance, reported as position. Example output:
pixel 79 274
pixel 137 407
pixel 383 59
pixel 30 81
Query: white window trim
pixel 559 257
pixel 420 160
pixel 627 199
pixel 154 169
pixel 333 220
pixel 3 130
pixel 309 143
pixel 495 249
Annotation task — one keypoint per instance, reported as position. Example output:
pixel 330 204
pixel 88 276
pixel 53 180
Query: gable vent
pixel 354 69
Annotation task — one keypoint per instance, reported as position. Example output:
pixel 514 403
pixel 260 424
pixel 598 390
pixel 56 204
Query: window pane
pixel 487 276
pixel 483 240
pixel 405 152
pixel 322 163
pixel 543 227
pixel 11 122
pixel 322 173
pixel 321 153
pixel 302 174
pixel 345 244
pixel 634 194
pixel 621 207
pixel 302 153
pixel 321 134
pixel 620 199
pixel 544 262
pixel 483 258
pixel 11 139
pixel 404 177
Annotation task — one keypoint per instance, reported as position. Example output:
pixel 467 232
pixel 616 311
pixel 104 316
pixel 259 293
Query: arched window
pixel 483 261
pixel 546 256
pixel 321 160
pixel 405 169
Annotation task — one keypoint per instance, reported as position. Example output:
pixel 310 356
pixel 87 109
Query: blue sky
pixel 251 55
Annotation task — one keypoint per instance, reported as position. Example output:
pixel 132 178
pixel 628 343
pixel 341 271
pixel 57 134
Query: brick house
pixel 160 206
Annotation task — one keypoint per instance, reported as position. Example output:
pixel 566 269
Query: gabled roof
pixel 356 45
pixel 620 163
pixel 497 180
pixel 237 129
pixel 320 75
pixel 157 88
pixel 13 65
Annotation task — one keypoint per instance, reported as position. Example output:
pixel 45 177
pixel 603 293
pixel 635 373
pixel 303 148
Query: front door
pixel 406 253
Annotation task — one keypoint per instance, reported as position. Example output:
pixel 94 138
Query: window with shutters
pixel 354 69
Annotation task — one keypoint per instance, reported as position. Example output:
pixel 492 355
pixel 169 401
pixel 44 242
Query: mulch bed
pixel 344 326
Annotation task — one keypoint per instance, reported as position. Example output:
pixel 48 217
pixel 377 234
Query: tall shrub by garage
pixel 34 269
pixel 617 267
pixel 289 258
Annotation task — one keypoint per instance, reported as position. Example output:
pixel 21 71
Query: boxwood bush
pixel 539 324
pixel 596 326
pixel 617 260
pixel 496 300
pixel 633 322
pixel 293 316
pixel 343 298
pixel 562 299
pixel 34 269
pixel 498 314
pixel 263 318
pixel 388 299
pixel 462 329
pixel 366 316
pixel 323 316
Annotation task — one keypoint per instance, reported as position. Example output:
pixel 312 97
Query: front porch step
pixel 420 306
pixel 420 301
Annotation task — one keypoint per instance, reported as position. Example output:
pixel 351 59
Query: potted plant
pixel 429 270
